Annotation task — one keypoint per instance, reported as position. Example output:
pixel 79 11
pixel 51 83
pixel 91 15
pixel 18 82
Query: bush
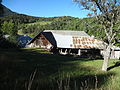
pixel 4 43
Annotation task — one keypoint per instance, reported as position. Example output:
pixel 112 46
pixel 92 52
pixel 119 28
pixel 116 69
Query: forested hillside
pixel 30 25
pixel 89 25
pixel 4 11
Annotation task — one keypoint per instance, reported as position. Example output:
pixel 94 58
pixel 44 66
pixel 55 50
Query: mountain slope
pixel 4 11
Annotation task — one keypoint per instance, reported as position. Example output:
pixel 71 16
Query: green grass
pixel 54 72
pixel 40 23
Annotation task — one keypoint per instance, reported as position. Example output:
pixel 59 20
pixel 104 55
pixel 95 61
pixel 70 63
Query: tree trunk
pixel 106 58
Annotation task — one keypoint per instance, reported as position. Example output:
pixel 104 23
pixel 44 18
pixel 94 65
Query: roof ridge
pixel 68 32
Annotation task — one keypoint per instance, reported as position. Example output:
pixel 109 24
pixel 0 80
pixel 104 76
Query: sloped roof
pixel 86 43
pixel 68 32
pixel 71 39
pixel 60 32
pixel 49 36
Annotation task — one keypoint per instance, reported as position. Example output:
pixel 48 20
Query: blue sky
pixel 45 8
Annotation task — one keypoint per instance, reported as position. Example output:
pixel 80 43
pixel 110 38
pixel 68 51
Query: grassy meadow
pixel 37 69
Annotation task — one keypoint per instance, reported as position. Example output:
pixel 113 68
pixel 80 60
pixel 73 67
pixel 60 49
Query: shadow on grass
pixel 16 67
pixel 117 64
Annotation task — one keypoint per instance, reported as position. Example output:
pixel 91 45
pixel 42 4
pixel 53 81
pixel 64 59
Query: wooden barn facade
pixel 67 42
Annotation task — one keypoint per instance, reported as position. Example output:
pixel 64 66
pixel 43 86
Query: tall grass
pixel 37 69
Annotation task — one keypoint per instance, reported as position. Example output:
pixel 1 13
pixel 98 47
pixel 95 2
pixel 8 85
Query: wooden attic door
pixel 42 41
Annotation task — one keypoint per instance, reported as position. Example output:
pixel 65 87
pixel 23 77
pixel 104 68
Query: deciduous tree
pixel 9 28
pixel 107 13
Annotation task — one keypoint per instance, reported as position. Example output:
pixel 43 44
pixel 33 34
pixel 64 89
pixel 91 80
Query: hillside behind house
pixel 31 26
